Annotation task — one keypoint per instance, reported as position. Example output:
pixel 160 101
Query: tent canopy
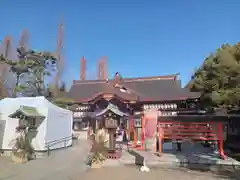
pixel 26 111
pixel 55 124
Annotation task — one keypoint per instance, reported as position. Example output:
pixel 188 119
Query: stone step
pixel 40 155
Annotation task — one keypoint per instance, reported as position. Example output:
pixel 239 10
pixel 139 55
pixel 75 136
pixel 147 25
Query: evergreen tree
pixel 219 78
pixel 30 71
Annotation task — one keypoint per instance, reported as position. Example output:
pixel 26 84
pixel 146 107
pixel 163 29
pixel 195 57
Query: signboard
pixel 137 123
pixel 77 114
pixel 111 123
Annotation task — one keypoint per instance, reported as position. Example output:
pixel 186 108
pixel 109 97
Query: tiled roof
pixel 159 88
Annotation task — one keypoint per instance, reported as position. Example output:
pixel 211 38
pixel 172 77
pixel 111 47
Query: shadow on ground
pixel 223 171
pixel 202 160
pixel 139 160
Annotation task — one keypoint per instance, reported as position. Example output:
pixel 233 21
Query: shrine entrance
pixel 179 131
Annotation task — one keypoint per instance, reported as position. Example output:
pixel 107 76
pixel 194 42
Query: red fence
pixel 212 131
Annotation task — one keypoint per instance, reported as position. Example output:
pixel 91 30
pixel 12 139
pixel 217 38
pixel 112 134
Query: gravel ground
pixel 131 173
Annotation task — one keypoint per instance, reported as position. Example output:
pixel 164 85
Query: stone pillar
pixel 112 140
pixel 97 124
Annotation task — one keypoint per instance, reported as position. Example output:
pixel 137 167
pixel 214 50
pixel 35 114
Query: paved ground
pixel 68 164
pixel 131 173
pixel 191 153
pixel 59 166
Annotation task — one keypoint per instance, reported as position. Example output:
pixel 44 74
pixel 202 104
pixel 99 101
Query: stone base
pixel 18 160
pixel 6 153
pixel 114 155
pixel 96 165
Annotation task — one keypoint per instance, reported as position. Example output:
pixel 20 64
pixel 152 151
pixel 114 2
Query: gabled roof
pixel 113 109
pixel 26 111
pixel 157 88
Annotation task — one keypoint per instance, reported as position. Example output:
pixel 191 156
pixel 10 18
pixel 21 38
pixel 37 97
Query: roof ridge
pixel 133 79
pixel 163 77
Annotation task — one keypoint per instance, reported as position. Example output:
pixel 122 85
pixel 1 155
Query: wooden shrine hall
pixel 128 99
pixel 132 96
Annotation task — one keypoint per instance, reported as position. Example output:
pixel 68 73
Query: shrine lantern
pixel 111 123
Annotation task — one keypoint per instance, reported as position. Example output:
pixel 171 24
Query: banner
pixel 150 123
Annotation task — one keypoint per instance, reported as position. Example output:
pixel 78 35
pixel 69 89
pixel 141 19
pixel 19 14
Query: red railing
pixel 212 131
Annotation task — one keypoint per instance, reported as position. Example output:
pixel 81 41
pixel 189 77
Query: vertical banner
pixel 150 123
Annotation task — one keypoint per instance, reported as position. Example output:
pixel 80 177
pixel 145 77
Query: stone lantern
pixel 111 125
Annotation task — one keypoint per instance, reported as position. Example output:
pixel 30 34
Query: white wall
pixel 38 142
pixel 9 133
pixel 58 127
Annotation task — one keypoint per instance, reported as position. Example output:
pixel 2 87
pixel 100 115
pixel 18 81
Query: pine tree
pixel 219 78
pixel 30 71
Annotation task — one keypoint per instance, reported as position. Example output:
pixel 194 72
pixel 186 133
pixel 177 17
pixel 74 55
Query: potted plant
pixel 23 150
pixel 98 153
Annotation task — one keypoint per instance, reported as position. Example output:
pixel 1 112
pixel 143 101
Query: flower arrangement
pixel 98 152
pixel 23 149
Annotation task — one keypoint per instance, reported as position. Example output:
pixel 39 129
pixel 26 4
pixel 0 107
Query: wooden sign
pixel 111 123
pixel 137 123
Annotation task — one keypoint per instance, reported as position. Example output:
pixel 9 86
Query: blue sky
pixel 140 38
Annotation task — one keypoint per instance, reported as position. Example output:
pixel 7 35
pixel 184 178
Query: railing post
pixel 48 150
pixel 63 140
pixel 220 140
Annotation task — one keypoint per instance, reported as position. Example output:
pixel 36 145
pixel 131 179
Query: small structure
pixel 110 117
pixel 27 116
pixel 50 125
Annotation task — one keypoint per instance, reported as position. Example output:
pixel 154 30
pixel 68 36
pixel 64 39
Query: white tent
pixel 55 131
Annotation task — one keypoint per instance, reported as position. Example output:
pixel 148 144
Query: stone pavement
pixel 69 164
pixel 191 154
pixel 132 173
pixel 60 165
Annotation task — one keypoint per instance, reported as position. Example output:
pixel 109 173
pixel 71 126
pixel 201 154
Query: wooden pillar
pixel 220 140
pixel 112 140
pixel 130 127
pixel 135 137
pixel 143 132
pixel 160 138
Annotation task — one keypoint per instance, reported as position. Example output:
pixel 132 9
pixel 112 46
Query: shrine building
pixel 131 96
pixel 128 99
